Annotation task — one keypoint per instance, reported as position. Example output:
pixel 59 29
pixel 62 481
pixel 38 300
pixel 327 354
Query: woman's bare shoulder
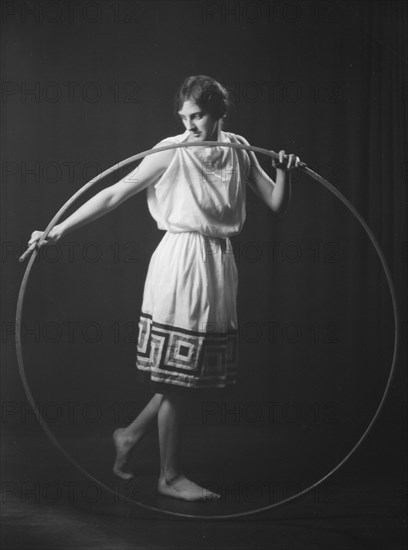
pixel 172 139
pixel 165 157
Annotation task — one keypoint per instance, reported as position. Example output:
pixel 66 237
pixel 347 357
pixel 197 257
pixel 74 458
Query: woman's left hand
pixel 286 162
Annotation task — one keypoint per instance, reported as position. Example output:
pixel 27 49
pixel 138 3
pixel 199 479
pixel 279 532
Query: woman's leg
pixel 126 438
pixel 172 482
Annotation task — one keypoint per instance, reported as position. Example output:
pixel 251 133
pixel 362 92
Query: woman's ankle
pixel 170 476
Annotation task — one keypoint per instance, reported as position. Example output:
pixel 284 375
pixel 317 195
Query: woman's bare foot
pixel 185 489
pixel 123 445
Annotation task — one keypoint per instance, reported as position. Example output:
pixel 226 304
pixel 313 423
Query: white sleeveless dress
pixel 188 324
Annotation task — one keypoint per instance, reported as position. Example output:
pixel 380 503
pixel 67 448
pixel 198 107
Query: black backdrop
pixel 87 86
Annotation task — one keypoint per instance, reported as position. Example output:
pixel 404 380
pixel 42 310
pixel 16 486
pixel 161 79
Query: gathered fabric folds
pixel 188 328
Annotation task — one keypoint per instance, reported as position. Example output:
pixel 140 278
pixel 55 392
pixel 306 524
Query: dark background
pixel 87 86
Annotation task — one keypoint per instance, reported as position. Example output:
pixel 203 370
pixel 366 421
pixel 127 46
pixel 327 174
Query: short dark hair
pixel 209 95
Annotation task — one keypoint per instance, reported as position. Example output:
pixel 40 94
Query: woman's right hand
pixel 34 242
pixel 52 237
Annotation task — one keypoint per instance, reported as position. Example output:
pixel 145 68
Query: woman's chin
pixel 202 137
pixel 195 137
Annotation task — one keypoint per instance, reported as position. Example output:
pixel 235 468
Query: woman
pixel 188 325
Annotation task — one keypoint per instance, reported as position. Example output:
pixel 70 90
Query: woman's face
pixel 201 125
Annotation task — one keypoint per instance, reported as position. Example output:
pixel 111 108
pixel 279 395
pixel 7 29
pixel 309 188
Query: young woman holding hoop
pixel 188 325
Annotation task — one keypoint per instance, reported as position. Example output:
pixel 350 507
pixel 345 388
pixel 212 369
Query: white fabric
pixel 203 189
pixel 192 283
pixel 188 323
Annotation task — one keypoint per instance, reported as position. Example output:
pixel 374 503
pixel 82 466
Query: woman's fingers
pixel 35 237
pixel 291 161
pixel 33 243
pixel 287 162
pixel 280 162
pixel 282 157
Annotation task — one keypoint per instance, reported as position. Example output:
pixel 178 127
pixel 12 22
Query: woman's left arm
pixel 277 194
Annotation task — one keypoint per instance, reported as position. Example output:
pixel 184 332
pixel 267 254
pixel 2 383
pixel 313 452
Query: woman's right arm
pixel 148 171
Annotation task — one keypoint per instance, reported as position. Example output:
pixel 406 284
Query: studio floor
pixel 49 504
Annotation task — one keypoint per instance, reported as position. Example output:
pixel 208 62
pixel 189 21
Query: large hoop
pixel 58 215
